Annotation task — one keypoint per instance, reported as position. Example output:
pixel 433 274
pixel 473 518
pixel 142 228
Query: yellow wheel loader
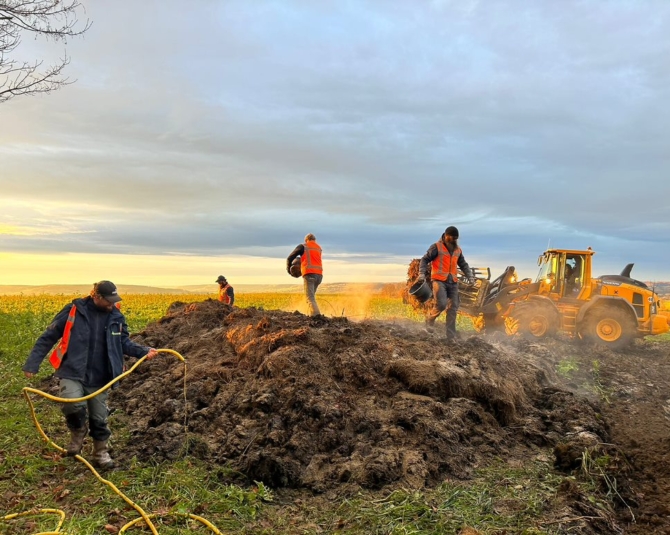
pixel 609 310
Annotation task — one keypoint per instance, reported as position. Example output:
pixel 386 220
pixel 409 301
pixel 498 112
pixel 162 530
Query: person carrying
pixel 444 257
pixel 311 269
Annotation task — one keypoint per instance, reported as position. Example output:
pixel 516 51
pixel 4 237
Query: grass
pixel 665 337
pixel 567 367
pixel 597 469
pixel 501 499
pixel 600 389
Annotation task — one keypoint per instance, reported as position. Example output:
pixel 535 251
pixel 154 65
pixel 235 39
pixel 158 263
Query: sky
pixel 208 138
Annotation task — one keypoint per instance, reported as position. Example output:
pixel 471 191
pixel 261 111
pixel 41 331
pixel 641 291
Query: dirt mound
pixel 633 384
pixel 636 382
pixel 320 403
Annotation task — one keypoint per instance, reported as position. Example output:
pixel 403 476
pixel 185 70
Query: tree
pixel 52 19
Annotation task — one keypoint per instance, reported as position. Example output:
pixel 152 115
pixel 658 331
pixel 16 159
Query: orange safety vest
pixel 445 263
pixel 310 262
pixel 58 353
pixel 223 296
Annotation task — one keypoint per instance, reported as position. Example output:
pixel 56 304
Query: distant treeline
pixel 661 288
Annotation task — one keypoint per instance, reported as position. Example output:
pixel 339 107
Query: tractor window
pixel 638 304
pixel 547 269
pixel 574 275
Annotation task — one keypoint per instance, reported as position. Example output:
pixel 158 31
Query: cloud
pixel 241 126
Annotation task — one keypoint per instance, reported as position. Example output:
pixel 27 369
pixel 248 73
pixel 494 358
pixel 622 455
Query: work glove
pixel 421 278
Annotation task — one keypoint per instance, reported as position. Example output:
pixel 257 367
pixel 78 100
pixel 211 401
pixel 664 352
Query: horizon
pixel 298 284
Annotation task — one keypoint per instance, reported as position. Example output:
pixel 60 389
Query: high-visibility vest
pixel 310 262
pixel 445 263
pixel 223 296
pixel 58 353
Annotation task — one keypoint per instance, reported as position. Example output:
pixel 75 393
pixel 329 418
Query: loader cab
pixel 546 278
pixel 564 273
pixel 573 275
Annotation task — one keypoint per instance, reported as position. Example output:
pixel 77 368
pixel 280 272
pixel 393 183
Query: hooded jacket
pixel 74 363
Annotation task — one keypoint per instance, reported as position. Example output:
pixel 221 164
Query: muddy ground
pixel 325 405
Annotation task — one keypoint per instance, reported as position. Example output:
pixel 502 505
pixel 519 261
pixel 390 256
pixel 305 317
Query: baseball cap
pixel 107 290
pixel 220 278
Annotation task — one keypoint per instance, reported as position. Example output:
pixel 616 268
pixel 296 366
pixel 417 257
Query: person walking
pixel 226 292
pixel 445 257
pixel 93 339
pixel 311 269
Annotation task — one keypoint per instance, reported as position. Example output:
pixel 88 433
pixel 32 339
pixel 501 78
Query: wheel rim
pixel 609 330
pixel 538 326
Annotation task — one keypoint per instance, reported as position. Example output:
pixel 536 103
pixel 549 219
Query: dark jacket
pixel 431 255
pixel 73 365
pixel 298 251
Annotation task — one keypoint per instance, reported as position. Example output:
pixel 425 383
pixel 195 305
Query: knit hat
pixel 451 231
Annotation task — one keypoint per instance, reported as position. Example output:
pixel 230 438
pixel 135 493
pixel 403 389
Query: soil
pixel 326 405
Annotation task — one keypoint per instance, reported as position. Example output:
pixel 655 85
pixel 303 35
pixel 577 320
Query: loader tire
pixel 487 324
pixel 610 327
pixel 533 321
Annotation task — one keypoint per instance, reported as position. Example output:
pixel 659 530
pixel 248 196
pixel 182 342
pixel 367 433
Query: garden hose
pixel 36 512
pixel 144 516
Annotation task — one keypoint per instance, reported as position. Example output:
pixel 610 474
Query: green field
pixel 34 476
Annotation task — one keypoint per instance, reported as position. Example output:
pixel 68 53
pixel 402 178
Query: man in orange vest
pixel 311 269
pixel 445 257
pixel 226 292
pixel 93 339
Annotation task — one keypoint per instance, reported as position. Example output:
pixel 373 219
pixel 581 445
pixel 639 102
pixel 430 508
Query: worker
pixel 445 257
pixel 226 292
pixel 311 269
pixel 93 339
pixel 572 287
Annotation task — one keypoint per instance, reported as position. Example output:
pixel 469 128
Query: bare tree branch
pixel 52 19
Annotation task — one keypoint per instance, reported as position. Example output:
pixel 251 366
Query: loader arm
pixel 500 302
pixel 493 298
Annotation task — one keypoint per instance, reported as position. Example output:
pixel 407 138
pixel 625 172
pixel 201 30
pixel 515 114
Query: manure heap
pixel 323 403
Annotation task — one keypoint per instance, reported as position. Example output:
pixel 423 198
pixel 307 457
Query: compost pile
pixel 319 403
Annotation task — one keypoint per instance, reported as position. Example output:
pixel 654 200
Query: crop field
pixel 141 308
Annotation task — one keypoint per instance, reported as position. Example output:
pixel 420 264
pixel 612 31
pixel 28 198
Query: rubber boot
pixel 77 437
pixel 101 456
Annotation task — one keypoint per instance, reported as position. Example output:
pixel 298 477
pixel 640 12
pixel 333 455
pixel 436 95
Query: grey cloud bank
pixel 237 127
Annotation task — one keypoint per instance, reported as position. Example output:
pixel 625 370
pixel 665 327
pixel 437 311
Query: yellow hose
pixel 36 512
pixel 144 516
pixel 185 515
